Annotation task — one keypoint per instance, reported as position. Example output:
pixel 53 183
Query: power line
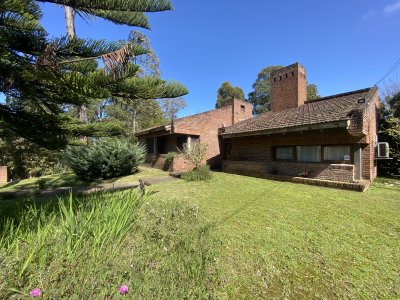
pixel 394 67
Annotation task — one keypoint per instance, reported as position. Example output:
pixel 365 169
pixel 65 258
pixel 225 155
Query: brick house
pixel 203 127
pixel 332 138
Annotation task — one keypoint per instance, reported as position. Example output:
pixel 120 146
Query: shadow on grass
pixel 9 184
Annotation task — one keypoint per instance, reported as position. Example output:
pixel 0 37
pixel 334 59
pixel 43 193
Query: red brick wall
pixel 208 124
pixel 156 161
pixel 370 130
pixel 333 172
pixel 255 154
pixel 205 125
pixel 288 87
pixel 180 164
pixel 259 148
pixel 3 174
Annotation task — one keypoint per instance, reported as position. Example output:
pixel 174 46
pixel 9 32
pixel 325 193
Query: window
pixel 243 108
pixel 284 153
pixel 338 153
pixel 308 153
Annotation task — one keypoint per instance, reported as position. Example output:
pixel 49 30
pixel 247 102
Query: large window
pixel 308 153
pixel 284 153
pixel 337 153
pixel 315 153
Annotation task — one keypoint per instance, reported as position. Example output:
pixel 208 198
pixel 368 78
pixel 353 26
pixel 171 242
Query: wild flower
pixel 123 289
pixel 36 292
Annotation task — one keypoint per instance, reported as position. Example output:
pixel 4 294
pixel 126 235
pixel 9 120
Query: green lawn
pixel 282 240
pixel 232 237
pixel 70 179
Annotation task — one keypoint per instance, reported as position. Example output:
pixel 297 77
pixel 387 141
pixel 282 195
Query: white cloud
pixel 392 8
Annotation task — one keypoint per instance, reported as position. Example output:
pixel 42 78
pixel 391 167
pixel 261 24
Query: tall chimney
pixel 288 87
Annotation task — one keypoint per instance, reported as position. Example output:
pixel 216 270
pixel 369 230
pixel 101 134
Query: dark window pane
pixel 308 153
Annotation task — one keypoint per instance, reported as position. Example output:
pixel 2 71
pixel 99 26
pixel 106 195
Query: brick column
pixel 3 174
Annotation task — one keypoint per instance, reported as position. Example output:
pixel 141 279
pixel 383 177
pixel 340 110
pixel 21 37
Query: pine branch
pixel 117 5
pixel 147 88
pixel 121 17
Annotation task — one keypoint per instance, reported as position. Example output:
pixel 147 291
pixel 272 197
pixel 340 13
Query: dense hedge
pixel 104 159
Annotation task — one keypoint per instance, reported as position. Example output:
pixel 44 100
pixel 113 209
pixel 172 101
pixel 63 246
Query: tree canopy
pixel 260 97
pixel 40 75
pixel 389 131
pixel 312 92
pixel 228 92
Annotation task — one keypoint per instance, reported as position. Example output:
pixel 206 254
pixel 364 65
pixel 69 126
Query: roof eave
pixel 318 126
pixel 165 128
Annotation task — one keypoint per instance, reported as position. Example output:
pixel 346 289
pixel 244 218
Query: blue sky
pixel 344 45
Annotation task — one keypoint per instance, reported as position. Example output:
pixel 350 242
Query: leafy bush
pixel 104 159
pixel 199 174
pixel 195 153
pixel 169 159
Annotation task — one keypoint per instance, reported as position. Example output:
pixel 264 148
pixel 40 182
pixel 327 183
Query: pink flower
pixel 36 292
pixel 123 289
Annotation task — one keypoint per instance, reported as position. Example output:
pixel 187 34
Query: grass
pixel 69 179
pixel 232 237
pixel 85 248
pixel 282 240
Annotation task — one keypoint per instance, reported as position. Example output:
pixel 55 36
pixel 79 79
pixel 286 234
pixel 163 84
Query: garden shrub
pixel 104 159
pixel 195 153
pixel 201 173
pixel 169 158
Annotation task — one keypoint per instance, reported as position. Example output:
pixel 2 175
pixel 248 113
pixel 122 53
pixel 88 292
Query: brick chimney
pixel 241 110
pixel 288 87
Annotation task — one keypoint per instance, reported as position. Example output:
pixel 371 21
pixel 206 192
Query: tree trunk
pixel 70 25
pixel 70 21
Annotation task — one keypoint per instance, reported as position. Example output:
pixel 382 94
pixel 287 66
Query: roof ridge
pixel 339 95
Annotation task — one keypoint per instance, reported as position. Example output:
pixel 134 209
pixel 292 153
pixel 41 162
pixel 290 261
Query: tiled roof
pixel 324 110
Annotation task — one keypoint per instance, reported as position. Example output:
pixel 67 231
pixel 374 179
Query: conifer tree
pixel 43 75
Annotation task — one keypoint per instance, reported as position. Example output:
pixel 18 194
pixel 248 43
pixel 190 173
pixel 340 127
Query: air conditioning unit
pixel 383 150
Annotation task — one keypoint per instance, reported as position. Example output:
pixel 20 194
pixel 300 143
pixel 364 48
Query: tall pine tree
pixel 42 76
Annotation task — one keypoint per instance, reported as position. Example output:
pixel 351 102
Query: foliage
pixel 135 115
pixel 171 107
pixel 169 158
pixel 227 92
pixel 389 131
pixel 194 152
pixel 85 248
pixel 104 159
pixel 149 63
pixel 40 76
pixel 260 97
pixel 202 173
pixel 284 240
pixel 312 92
pixel 26 159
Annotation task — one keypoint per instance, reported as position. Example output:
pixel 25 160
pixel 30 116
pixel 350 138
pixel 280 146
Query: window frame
pixel 351 161
pixel 294 159
pixel 323 160
pixel 310 162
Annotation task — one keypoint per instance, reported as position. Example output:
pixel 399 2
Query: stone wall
pixel 3 174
